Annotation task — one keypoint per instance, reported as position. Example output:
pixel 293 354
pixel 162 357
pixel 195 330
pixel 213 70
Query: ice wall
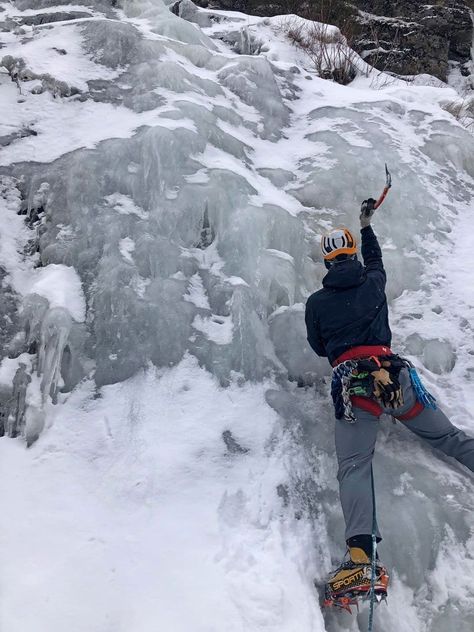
pixel 165 179
pixel 217 146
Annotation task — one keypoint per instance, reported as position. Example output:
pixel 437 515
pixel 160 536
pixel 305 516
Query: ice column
pixel 17 408
pixel 54 334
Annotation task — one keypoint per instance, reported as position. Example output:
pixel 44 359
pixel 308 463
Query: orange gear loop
pixel 376 360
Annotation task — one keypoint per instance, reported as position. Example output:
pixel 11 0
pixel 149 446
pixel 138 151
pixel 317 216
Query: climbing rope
pixel 374 555
pixel 340 390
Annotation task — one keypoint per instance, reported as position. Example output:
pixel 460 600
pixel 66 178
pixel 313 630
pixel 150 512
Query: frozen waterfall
pixel 166 172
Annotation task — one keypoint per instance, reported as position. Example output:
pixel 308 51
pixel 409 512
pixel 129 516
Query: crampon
pixel 347 599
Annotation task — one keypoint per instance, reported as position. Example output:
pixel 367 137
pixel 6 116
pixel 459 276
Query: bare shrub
pixel 325 46
pixel 462 110
pixel 454 108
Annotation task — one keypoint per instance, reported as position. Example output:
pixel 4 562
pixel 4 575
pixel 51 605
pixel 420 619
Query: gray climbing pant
pixel 355 443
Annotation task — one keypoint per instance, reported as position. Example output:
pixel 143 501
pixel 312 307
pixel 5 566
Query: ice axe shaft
pixel 388 184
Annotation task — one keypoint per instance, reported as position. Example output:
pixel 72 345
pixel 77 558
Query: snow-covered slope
pixel 176 173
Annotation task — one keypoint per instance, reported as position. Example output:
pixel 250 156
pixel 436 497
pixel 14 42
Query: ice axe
pixel 388 184
pixel 368 209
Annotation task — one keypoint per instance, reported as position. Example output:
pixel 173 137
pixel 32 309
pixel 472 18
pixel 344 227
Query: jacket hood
pixel 345 274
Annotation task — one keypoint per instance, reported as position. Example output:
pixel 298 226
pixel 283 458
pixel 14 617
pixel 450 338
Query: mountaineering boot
pixel 352 580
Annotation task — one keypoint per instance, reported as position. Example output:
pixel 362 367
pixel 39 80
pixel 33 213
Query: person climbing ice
pixel 347 322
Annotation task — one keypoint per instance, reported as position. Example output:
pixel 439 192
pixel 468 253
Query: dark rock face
pixel 105 6
pixel 401 36
pixel 46 18
pixel 409 38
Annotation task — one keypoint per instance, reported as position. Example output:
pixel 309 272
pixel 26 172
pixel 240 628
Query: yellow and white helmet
pixel 339 241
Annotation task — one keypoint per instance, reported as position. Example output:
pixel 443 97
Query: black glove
pixel 366 212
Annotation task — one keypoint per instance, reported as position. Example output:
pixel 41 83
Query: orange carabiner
pixel 376 360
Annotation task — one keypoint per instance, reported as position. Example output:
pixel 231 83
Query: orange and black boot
pixel 353 580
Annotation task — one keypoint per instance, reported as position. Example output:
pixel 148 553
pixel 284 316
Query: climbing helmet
pixel 339 241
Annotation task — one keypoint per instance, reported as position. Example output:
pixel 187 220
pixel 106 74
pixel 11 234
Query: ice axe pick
pixel 388 184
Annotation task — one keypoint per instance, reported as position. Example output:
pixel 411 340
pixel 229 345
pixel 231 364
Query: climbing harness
pixel 362 378
pixel 373 383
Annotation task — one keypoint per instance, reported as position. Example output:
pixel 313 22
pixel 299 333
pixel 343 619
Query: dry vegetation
pixel 327 48
pixel 463 111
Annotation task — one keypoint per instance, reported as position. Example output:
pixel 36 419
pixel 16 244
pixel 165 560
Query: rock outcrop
pixel 400 36
pixel 410 38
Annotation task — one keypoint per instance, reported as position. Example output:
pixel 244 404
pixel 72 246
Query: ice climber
pixel 347 322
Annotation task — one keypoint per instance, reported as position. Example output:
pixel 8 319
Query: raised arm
pixel 370 248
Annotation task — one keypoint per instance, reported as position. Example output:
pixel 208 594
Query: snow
pixel 61 286
pixel 126 247
pixel 281 255
pixel 236 281
pixel 196 293
pixel 87 124
pixel 125 522
pixel 9 366
pixel 124 205
pixel 13 232
pixel 41 57
pixel 183 475
pixel 216 328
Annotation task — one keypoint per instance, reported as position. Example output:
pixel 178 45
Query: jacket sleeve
pixel 313 332
pixel 372 256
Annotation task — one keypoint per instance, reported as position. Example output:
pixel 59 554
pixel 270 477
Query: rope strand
pixel 374 555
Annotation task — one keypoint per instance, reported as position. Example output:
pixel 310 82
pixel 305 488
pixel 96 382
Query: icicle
pixel 17 407
pixel 54 334
pixel 245 42
pixel 207 232
pixel 33 312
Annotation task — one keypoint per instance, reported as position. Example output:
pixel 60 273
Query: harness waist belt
pixel 372 407
pixel 414 411
pixel 367 404
pixel 364 351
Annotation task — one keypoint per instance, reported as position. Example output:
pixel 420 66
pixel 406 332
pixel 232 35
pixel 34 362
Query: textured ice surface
pixel 438 356
pixel 166 216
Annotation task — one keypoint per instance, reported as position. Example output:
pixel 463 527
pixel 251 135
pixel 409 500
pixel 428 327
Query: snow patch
pixel 216 328
pixel 61 286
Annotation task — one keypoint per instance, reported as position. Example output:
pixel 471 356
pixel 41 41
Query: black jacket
pixel 351 308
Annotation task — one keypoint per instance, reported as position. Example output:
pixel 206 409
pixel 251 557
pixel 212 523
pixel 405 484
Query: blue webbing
pixel 422 395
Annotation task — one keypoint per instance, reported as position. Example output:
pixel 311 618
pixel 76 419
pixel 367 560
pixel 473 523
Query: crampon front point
pixel 347 599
